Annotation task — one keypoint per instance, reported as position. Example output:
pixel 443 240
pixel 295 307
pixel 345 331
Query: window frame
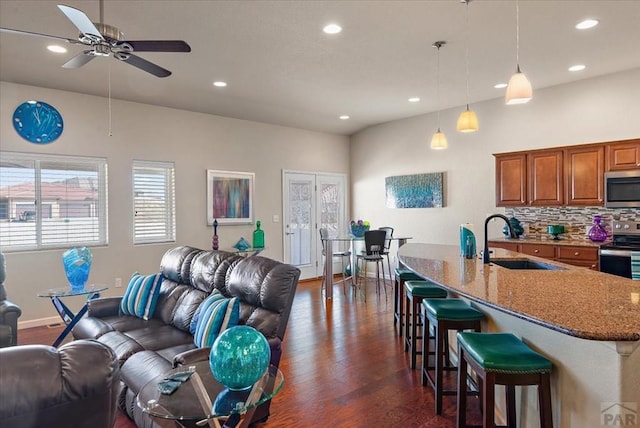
pixel 168 212
pixel 47 161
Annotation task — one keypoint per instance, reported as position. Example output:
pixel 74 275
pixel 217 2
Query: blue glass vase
pixel 239 357
pixel 77 265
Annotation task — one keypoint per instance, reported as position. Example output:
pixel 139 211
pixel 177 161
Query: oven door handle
pixel 619 253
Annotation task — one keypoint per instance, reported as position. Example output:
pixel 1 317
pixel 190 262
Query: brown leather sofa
pixel 149 348
pixel 75 385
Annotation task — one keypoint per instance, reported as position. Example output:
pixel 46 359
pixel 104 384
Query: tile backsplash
pixel 576 220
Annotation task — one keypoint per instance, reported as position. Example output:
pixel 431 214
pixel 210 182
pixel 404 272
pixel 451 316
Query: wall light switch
pixel 276 218
pixel 118 282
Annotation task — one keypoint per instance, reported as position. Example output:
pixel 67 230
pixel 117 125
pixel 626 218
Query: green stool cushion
pixel 424 289
pixel 451 309
pixel 502 353
pixel 407 275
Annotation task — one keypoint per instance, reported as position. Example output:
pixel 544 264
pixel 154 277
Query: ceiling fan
pixel 107 40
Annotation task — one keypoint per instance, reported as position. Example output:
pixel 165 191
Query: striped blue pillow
pixel 216 314
pixel 141 296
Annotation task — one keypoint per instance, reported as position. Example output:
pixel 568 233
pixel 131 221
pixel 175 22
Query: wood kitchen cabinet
pixel 577 255
pixel 584 175
pixel 529 178
pixel 623 155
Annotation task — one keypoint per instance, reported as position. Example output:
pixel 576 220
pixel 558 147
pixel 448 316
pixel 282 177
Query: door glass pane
pixel 300 217
pixel 330 206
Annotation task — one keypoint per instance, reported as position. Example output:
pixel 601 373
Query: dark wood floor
pixel 344 366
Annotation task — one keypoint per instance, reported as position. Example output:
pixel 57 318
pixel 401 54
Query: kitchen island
pixel 587 323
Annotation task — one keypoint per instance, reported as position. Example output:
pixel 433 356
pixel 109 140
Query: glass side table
pixel 70 319
pixel 203 399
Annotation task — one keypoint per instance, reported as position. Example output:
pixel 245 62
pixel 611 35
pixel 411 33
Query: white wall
pixel 588 111
pixel 195 142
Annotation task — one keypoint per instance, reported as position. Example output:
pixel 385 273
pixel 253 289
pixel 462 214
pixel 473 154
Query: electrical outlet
pixel 118 282
pixel 276 218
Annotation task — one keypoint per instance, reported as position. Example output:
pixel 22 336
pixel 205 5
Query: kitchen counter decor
pixel 358 228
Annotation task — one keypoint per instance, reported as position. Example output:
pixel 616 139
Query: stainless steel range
pixel 615 257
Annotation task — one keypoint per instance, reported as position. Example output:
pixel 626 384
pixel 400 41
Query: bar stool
pixel 416 291
pixel 502 359
pixel 401 275
pixel 445 315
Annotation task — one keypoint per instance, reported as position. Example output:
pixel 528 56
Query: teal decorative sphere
pixel 239 357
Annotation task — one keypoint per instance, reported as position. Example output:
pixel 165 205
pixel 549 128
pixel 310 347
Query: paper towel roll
pixel 466 231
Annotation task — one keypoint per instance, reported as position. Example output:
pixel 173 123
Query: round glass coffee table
pixel 203 399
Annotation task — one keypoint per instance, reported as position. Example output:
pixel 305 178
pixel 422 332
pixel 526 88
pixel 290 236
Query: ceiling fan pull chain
pixel 109 79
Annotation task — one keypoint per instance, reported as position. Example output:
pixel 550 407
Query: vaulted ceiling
pixel 281 68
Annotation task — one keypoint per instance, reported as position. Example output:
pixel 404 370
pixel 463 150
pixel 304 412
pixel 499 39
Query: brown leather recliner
pixel 9 312
pixel 76 385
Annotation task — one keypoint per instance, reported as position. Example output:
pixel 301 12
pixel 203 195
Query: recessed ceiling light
pixel 587 23
pixel 500 85
pixel 220 84
pixel 332 29
pixel 344 117
pixel 57 49
pixel 577 67
pixel 414 100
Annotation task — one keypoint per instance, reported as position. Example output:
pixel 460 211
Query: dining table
pixel 328 260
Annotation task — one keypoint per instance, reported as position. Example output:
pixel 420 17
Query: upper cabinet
pixel 584 172
pixel 545 179
pixel 571 175
pixel 533 178
pixel 623 155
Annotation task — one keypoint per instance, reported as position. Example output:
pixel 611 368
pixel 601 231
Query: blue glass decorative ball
pixel 239 357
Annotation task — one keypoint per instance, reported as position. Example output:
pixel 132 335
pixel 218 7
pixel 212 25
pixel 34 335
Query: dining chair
pixel 374 241
pixel 324 234
pixel 387 247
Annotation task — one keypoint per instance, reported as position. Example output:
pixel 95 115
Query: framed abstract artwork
pixel 415 191
pixel 229 197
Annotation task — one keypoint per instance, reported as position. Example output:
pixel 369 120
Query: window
pixel 154 205
pixel 49 201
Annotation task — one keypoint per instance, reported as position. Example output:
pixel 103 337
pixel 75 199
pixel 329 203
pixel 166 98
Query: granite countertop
pixel 544 240
pixel 576 301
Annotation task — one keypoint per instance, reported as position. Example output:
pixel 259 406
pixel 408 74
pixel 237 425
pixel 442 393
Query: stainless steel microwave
pixel 622 189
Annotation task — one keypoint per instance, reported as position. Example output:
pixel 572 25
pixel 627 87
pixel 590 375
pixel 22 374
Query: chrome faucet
pixel 512 234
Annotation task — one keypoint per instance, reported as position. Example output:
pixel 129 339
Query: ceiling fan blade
pixel 47 36
pixel 159 46
pixel 147 66
pixel 80 20
pixel 79 60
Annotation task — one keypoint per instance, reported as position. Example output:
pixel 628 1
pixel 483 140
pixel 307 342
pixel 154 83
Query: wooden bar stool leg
pixel 511 406
pixel 425 347
pixel 407 321
pixel 461 412
pixel 489 402
pixel 439 359
pixel 401 311
pixel 544 398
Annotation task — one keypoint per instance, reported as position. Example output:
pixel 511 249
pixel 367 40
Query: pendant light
pixel 439 140
pixel 467 121
pixel 519 89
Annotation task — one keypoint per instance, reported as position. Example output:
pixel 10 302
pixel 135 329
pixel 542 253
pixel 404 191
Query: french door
pixel 311 201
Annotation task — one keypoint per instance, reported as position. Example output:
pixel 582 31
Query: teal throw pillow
pixel 141 296
pixel 217 313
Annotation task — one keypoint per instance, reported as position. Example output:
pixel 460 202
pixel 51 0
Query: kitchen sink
pixel 525 264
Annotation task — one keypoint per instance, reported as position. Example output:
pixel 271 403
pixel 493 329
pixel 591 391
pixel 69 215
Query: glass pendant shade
pixel 519 90
pixel 467 121
pixel 438 141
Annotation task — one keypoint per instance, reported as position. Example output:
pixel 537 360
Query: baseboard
pixel 39 322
